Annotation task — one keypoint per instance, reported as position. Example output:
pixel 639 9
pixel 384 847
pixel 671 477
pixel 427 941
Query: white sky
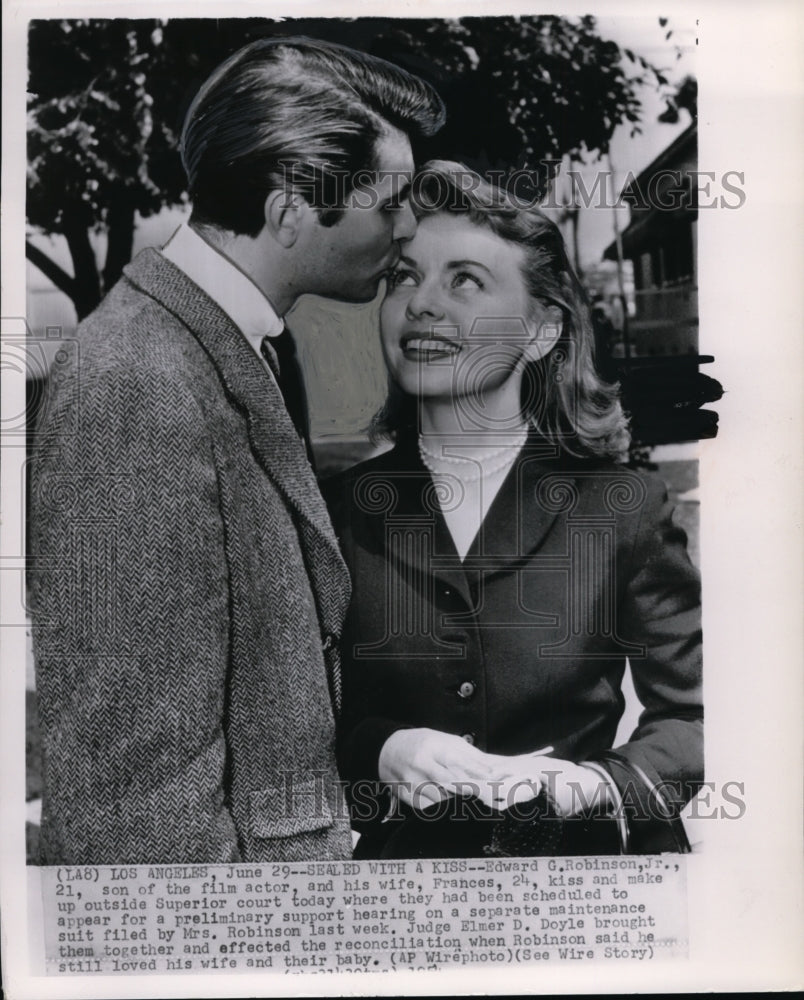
pixel 645 37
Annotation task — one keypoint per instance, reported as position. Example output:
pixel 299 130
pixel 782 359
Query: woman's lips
pixel 424 347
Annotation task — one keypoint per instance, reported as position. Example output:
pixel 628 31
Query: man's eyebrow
pixel 398 196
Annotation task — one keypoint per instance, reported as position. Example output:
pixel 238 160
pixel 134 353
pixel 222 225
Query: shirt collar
pixel 225 284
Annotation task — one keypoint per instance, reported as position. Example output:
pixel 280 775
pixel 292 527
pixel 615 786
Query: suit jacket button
pixel 328 641
pixel 470 738
pixel 466 690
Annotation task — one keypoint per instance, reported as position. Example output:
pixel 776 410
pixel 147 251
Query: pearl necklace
pixel 466 469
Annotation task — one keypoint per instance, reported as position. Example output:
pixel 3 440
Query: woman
pixel 504 565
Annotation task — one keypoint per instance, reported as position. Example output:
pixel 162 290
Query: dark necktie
pixel 286 368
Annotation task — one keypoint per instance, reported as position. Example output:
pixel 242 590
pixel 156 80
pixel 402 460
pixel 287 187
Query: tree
pixel 104 114
pixel 107 98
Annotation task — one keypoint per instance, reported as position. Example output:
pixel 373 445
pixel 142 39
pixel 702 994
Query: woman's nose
pixel 425 301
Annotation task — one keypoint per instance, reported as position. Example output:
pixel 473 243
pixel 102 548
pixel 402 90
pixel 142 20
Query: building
pixel 661 243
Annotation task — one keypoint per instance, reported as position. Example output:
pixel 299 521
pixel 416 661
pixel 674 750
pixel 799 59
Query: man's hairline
pixel 386 130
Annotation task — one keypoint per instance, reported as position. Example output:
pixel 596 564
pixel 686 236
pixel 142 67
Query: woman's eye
pixel 401 276
pixel 465 279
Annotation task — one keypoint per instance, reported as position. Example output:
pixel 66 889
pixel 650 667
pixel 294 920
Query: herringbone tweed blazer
pixel 187 592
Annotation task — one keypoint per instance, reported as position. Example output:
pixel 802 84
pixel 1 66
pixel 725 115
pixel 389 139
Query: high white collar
pixel 225 284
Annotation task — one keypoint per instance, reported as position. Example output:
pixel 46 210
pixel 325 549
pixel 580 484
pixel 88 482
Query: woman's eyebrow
pixel 474 263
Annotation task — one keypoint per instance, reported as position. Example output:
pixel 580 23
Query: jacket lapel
pixel 273 437
pixel 520 516
pixel 411 530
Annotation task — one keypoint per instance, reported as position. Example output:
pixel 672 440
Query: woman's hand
pixel 425 766
pixel 574 788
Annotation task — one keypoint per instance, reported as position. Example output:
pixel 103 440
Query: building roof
pixel 647 218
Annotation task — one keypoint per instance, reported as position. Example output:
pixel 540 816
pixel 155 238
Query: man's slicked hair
pixel 294 112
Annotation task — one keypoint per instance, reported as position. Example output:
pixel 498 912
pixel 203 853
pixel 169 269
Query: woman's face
pixel 457 317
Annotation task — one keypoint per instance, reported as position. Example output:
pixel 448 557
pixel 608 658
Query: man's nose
pixel 404 222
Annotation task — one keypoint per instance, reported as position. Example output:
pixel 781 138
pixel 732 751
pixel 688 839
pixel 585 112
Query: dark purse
pixel 645 821
pixel 529 829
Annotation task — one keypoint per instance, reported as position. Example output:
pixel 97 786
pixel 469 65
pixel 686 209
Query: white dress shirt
pixel 225 284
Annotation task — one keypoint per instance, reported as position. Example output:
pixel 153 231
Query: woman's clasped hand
pixel 423 767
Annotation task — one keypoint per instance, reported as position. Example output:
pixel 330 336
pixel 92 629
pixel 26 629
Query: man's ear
pixel 284 213
pixel 546 333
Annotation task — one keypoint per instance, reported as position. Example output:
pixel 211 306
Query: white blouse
pixel 468 479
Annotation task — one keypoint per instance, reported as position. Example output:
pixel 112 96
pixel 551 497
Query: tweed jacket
pixel 188 594
pixel 577 567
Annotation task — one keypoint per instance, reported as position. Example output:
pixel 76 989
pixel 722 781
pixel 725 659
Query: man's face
pixel 348 261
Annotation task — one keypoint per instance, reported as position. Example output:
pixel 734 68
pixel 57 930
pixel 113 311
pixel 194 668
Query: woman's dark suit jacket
pixel 577 566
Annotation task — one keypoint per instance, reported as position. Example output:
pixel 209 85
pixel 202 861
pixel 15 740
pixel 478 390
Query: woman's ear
pixel 546 333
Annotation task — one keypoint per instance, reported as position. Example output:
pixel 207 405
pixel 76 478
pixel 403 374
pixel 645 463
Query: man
pixel 188 590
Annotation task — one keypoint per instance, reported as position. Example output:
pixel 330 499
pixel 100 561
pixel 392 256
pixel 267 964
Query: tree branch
pixel 120 223
pixel 87 287
pixel 60 278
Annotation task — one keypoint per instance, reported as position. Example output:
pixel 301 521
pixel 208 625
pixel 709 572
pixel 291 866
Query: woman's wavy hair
pixel 563 396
